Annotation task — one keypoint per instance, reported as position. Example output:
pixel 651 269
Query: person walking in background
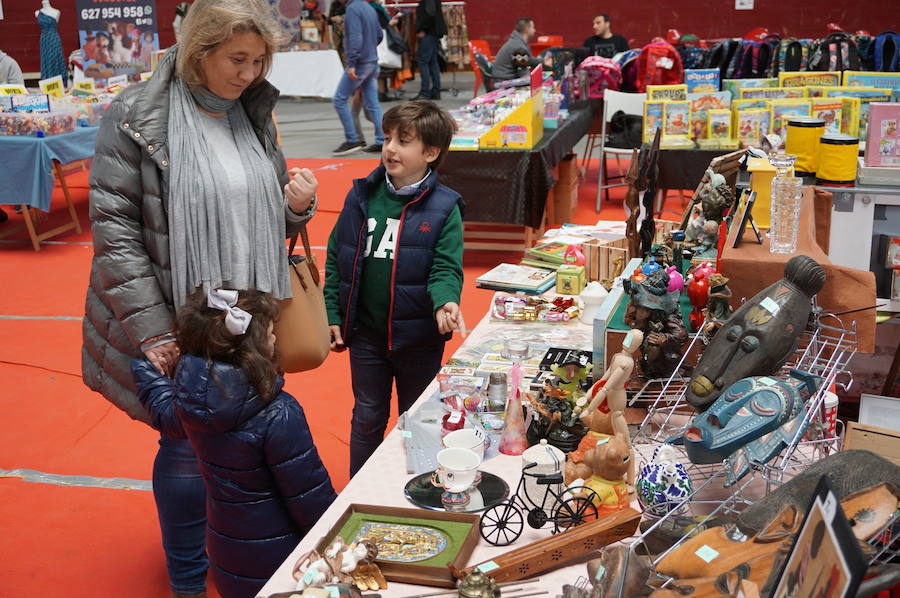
pixel 430 28
pixel 604 42
pixel 265 484
pixel 514 59
pixel 362 34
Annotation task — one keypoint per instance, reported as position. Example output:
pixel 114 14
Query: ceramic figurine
pixel 654 311
pixel 609 463
pixel 478 585
pixel 760 335
pixel 650 267
pixel 608 393
pixel 340 563
pixel 663 483
pixel 619 571
pixel 747 410
pixel 600 428
pixel 698 293
pixel 555 420
pixel 718 308
pixel 572 375
pixel 512 439
pixel 694 226
pixel 718 197
pixel 676 280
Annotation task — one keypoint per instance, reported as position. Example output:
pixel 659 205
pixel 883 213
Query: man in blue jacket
pixel 362 34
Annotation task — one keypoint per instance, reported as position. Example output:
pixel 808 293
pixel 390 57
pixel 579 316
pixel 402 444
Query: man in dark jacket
pixel 362 34
pixel 514 59
pixel 604 42
pixel 430 28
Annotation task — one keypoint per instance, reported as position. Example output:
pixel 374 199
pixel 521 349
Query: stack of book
pixel 516 277
pixel 547 253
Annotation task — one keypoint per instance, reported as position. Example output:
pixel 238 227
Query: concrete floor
pixel 310 127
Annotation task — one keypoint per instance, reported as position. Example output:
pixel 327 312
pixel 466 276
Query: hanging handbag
pixel 301 330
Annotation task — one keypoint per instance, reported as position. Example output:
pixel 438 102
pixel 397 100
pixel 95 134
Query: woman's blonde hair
pixel 210 23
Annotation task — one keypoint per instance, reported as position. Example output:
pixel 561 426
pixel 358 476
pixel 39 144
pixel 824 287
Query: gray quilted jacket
pixel 129 298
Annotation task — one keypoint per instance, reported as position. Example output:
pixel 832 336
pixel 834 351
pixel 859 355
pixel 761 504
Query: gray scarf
pixel 200 235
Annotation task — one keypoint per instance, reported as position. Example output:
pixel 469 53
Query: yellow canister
pixel 837 159
pixel 761 173
pixel 803 133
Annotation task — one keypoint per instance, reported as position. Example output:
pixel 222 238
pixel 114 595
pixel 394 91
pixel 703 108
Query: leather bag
pixel 302 335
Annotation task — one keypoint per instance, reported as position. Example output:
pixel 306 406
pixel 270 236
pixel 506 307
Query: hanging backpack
pixel 627 62
pixel 658 64
pixel 692 57
pixel 721 55
pixel 884 52
pixel 837 52
pixel 601 74
pixel 864 46
pixel 792 55
pixel 753 60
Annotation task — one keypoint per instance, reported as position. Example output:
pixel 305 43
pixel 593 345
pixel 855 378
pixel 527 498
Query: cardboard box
pixel 565 191
pixel 570 279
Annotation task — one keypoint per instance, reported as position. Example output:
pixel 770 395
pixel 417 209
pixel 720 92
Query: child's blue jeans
pixel 373 369
pixel 181 503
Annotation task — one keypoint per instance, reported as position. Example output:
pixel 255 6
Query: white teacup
pixel 467 438
pixel 457 471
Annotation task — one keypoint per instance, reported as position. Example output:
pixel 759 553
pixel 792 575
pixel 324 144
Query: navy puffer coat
pixel 265 483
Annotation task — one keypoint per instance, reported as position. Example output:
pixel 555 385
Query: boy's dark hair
pixel 522 23
pixel 201 331
pixel 605 17
pixel 423 119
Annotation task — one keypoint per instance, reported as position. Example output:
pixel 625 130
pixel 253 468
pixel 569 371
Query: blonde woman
pixel 188 189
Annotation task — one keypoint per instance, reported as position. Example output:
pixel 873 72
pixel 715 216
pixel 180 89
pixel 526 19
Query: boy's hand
pixel 337 341
pixel 450 318
pixel 301 189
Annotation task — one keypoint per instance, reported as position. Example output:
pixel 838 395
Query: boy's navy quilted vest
pixel 411 321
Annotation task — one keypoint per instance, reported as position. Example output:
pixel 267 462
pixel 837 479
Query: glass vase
pixel 785 207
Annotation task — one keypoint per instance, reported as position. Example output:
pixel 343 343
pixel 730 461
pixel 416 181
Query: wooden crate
pixel 881 441
pixel 600 257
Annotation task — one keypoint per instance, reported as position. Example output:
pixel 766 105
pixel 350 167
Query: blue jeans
pixel 367 82
pixel 429 67
pixel 181 504
pixel 373 369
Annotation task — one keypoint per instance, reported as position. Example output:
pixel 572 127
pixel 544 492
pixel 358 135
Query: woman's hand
pixel 301 189
pixel 164 357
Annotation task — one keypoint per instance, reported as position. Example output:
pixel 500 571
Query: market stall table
pixel 381 481
pixel 511 186
pixel 27 177
pixel 314 73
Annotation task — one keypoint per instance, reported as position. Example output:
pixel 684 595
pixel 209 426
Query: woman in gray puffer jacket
pixel 188 189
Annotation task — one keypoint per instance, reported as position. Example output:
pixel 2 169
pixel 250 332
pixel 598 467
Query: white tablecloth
pixel 310 74
pixel 382 479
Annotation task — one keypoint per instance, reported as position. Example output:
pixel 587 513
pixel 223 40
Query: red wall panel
pixel 493 20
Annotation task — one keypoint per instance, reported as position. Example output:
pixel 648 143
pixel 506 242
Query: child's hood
pixel 215 396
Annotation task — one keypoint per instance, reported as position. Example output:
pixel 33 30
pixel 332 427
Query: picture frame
pixel 826 555
pixel 743 216
pixel 461 530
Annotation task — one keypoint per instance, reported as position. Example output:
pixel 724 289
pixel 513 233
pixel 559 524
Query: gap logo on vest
pixel 388 242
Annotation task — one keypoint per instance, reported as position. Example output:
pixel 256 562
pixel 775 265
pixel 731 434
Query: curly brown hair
pixel 201 331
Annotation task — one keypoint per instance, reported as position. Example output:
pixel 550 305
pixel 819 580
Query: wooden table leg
pixel 29 224
pixel 57 168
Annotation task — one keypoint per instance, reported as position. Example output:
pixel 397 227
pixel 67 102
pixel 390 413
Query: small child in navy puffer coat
pixel 265 483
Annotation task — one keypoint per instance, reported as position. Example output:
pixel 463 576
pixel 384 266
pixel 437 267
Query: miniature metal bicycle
pixel 503 523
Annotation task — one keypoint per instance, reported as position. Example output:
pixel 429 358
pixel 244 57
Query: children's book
pixel 866 96
pixel 654 114
pixel 667 92
pixel 878 80
pixel 849 116
pixel 830 110
pixel 701 104
pixel 749 125
pixel 702 80
pixel 734 86
pixel 719 124
pixel 677 119
pixel 773 93
pixel 814 79
pixel 784 110
pixel 883 140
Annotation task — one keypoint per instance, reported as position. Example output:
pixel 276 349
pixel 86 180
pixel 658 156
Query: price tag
pixel 488 567
pixel 601 571
pixel 53 86
pixel 707 553
pixel 770 306
pixel 768 381
pixel 85 85
pixel 406 434
pixel 13 90
pixel 455 417
pixel 121 80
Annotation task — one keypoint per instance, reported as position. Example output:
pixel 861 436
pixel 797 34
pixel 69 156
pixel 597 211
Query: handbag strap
pixel 310 262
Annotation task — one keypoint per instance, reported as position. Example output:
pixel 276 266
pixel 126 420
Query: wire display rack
pixel 824 349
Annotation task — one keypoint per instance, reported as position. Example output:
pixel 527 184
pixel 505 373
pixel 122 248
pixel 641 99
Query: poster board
pixel 117 37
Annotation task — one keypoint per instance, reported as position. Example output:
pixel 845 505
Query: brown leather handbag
pixel 302 337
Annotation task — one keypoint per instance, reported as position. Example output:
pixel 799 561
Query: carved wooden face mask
pixel 759 337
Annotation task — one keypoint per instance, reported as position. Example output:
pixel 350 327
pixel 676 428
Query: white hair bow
pixel 236 319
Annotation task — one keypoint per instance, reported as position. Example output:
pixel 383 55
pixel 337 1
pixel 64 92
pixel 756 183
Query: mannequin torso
pixel 48 10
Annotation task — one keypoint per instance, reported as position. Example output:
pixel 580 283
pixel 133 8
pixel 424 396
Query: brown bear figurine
pixel 609 462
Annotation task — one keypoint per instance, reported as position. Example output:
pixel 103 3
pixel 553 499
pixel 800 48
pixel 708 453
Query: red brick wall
pixel 493 20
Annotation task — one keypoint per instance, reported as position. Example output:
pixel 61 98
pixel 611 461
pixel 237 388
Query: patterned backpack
pixel 721 55
pixel 692 57
pixel 791 55
pixel 627 62
pixel 837 52
pixel 884 52
pixel 753 60
pixel 658 64
pixel 601 74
